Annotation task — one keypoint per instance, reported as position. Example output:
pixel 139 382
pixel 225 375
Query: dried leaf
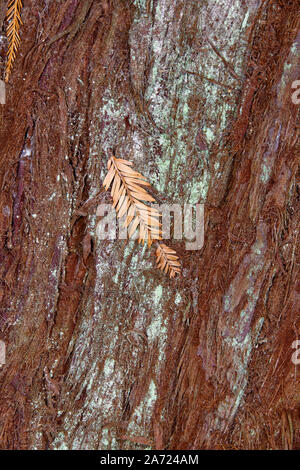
pixel 167 260
pixel 129 197
pixel 14 21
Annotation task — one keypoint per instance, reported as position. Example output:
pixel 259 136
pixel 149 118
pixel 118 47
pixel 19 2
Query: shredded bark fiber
pixel 103 351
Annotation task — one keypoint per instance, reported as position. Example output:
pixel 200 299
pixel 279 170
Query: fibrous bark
pixel 103 350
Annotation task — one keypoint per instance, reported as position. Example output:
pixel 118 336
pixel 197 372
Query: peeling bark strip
pixel 103 352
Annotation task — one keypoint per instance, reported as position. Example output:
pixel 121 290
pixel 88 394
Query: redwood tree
pixel 103 351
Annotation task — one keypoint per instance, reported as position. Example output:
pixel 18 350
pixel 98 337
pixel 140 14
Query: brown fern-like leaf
pixel 167 260
pixel 14 21
pixel 129 199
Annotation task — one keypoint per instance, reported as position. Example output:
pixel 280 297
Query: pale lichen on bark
pixel 141 361
pixel 173 102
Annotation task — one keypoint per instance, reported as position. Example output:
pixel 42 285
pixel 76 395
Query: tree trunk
pixel 103 351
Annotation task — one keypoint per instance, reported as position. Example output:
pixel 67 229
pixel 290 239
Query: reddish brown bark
pixel 95 359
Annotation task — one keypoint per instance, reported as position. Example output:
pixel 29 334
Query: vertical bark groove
pixel 103 351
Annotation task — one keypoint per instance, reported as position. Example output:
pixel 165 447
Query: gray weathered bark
pixel 104 351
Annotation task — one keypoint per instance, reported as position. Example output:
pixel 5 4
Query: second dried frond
pixel 167 260
pixel 14 21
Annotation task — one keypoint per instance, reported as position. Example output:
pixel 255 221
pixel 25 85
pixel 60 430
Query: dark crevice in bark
pixel 102 350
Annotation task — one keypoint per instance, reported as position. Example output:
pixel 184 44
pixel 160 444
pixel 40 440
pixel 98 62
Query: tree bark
pixel 103 350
